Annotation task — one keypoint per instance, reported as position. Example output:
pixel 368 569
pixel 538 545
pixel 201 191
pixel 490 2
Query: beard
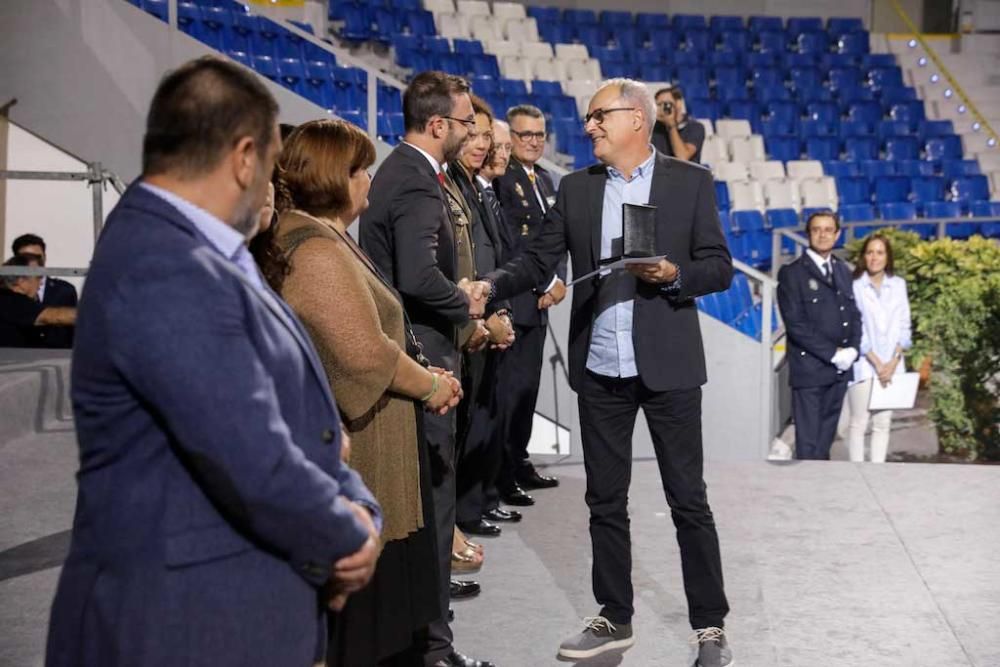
pixel 452 147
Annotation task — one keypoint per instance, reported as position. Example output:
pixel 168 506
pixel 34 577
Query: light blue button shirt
pixel 229 242
pixel 612 352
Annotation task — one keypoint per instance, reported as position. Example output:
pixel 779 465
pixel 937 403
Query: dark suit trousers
pixel 608 408
pixel 816 411
pixel 481 444
pixel 440 434
pixel 520 376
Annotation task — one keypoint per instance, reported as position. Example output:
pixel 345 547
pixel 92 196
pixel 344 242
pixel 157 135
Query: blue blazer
pixel 211 500
pixel 819 318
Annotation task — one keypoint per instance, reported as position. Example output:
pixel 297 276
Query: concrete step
pixel 34 393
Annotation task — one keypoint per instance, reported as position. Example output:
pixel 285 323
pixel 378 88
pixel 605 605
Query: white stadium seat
pixel 782 193
pixel 473 7
pixel 819 192
pixel 747 149
pixel 800 169
pixel 731 171
pixel 746 196
pixel 485 28
pixel 707 124
pixel 536 49
pixel 452 26
pixel 501 47
pixel 572 52
pixel 549 69
pixel 522 30
pixel 440 6
pixel 508 10
pixel 766 170
pixel 583 70
pixel 728 129
pixel 516 67
pixel 714 151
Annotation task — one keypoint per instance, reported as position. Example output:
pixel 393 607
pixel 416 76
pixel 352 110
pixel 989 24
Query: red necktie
pixel 441 177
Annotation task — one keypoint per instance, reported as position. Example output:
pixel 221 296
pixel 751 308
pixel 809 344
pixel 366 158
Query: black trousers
pixel 608 408
pixel 816 411
pixel 481 440
pixel 440 434
pixel 519 378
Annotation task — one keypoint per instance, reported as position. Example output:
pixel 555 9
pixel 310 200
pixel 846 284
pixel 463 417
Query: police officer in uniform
pixel 824 335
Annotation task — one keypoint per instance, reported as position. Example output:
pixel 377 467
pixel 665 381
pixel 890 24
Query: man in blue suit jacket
pixel 214 515
pixel 824 335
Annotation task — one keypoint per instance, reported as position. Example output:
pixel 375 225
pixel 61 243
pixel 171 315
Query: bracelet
pixel 434 388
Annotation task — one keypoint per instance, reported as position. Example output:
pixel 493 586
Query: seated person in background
pixel 674 133
pixel 51 292
pixel 22 316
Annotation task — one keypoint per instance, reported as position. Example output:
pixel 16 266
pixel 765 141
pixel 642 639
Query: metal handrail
pixel 43 271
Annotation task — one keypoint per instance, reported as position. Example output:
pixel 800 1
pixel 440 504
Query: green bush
pixel 954 289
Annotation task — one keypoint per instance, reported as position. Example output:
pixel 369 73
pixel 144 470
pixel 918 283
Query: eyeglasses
pixel 597 115
pixel 528 136
pixel 503 147
pixel 470 123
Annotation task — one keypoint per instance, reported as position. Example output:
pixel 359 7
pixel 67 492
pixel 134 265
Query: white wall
pixel 61 212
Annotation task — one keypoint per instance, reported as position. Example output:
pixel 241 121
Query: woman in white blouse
pixel 885 334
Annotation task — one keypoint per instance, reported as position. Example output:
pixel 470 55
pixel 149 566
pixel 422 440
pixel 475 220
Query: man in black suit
pixel 526 194
pixel 823 324
pixel 53 292
pixel 635 343
pixel 409 234
pixel 22 315
pixel 478 422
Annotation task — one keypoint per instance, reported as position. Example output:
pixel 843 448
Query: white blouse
pixel 885 322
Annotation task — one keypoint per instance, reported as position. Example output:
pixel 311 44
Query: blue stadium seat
pixel 582 151
pixel 390 99
pixel 469 47
pixel 544 14
pixel 761 59
pixel 768 76
pixel 967 189
pixel 844 77
pixel 867 112
pixel 292 73
pixel 830 61
pixel 746 221
pixel 890 96
pixel 615 19
pixel 892 189
pixel 915 167
pixel 856 212
pixel 824 112
pixel 934 128
pixel 580 16
pixel 687 76
pixel 452 63
pixel 902 148
pixel 878 60
pixel 783 112
pixel 911 113
pixel 319 91
pixel 742 110
pixel 546 88
pixel 420 22
pixel 765 94
pixel 703 107
pixel 241 57
pixel 948 147
pixel 783 148
pixel 797 25
pixel 822 148
pixel 874 169
pixel 849 96
pixel 893 128
pixel 591 36
pixel 736 93
pixel 935 209
pixel 608 54
pixel 812 42
pixel 718 24
pixel 853 190
pixel 899 210
pixel 729 76
pixel 562 107
pixel 355 117
pixel 266 67
pixel 357 24
pixel 628 38
pixel 926 189
pixel 722 198
pixel 855 128
pixel 839 25
pixel 685 59
pixel 885 77
pixel 782 217
pixel 698 40
pixel 484 65
pixel 841 168
pixel 648 72
pixel 736 41
pixel 861 148
pixel 555 33
pixel 760 248
pixel 684 22
pixel 762 23
pixel 818 128
pixel 696 89
pixel 652 56
pixel 957 168
pixel 856 43
pixel 651 21
pixel 772 40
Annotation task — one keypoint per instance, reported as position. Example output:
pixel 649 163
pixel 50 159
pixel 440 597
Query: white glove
pixel 844 358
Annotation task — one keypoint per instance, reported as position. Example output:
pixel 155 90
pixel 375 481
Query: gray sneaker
pixel 599 636
pixel 709 648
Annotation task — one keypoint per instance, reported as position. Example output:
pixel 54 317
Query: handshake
pixel 844 357
pixel 478 293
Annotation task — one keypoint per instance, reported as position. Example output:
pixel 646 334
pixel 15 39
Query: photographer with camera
pixel 674 133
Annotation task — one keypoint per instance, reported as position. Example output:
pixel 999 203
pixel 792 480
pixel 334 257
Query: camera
pixel 668 107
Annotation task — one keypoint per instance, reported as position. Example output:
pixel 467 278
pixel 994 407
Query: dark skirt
pixel 383 624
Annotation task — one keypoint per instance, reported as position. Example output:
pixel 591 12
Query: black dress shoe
pixel 456 659
pixel 451 615
pixel 461 590
pixel 499 514
pixel 518 497
pixel 481 528
pixel 528 478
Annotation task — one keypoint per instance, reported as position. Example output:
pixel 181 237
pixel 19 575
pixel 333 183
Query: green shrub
pixel 954 289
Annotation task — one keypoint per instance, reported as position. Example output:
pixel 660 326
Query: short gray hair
pixel 529 110
pixel 637 93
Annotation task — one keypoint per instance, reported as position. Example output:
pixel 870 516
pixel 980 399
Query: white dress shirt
pixel 885 321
